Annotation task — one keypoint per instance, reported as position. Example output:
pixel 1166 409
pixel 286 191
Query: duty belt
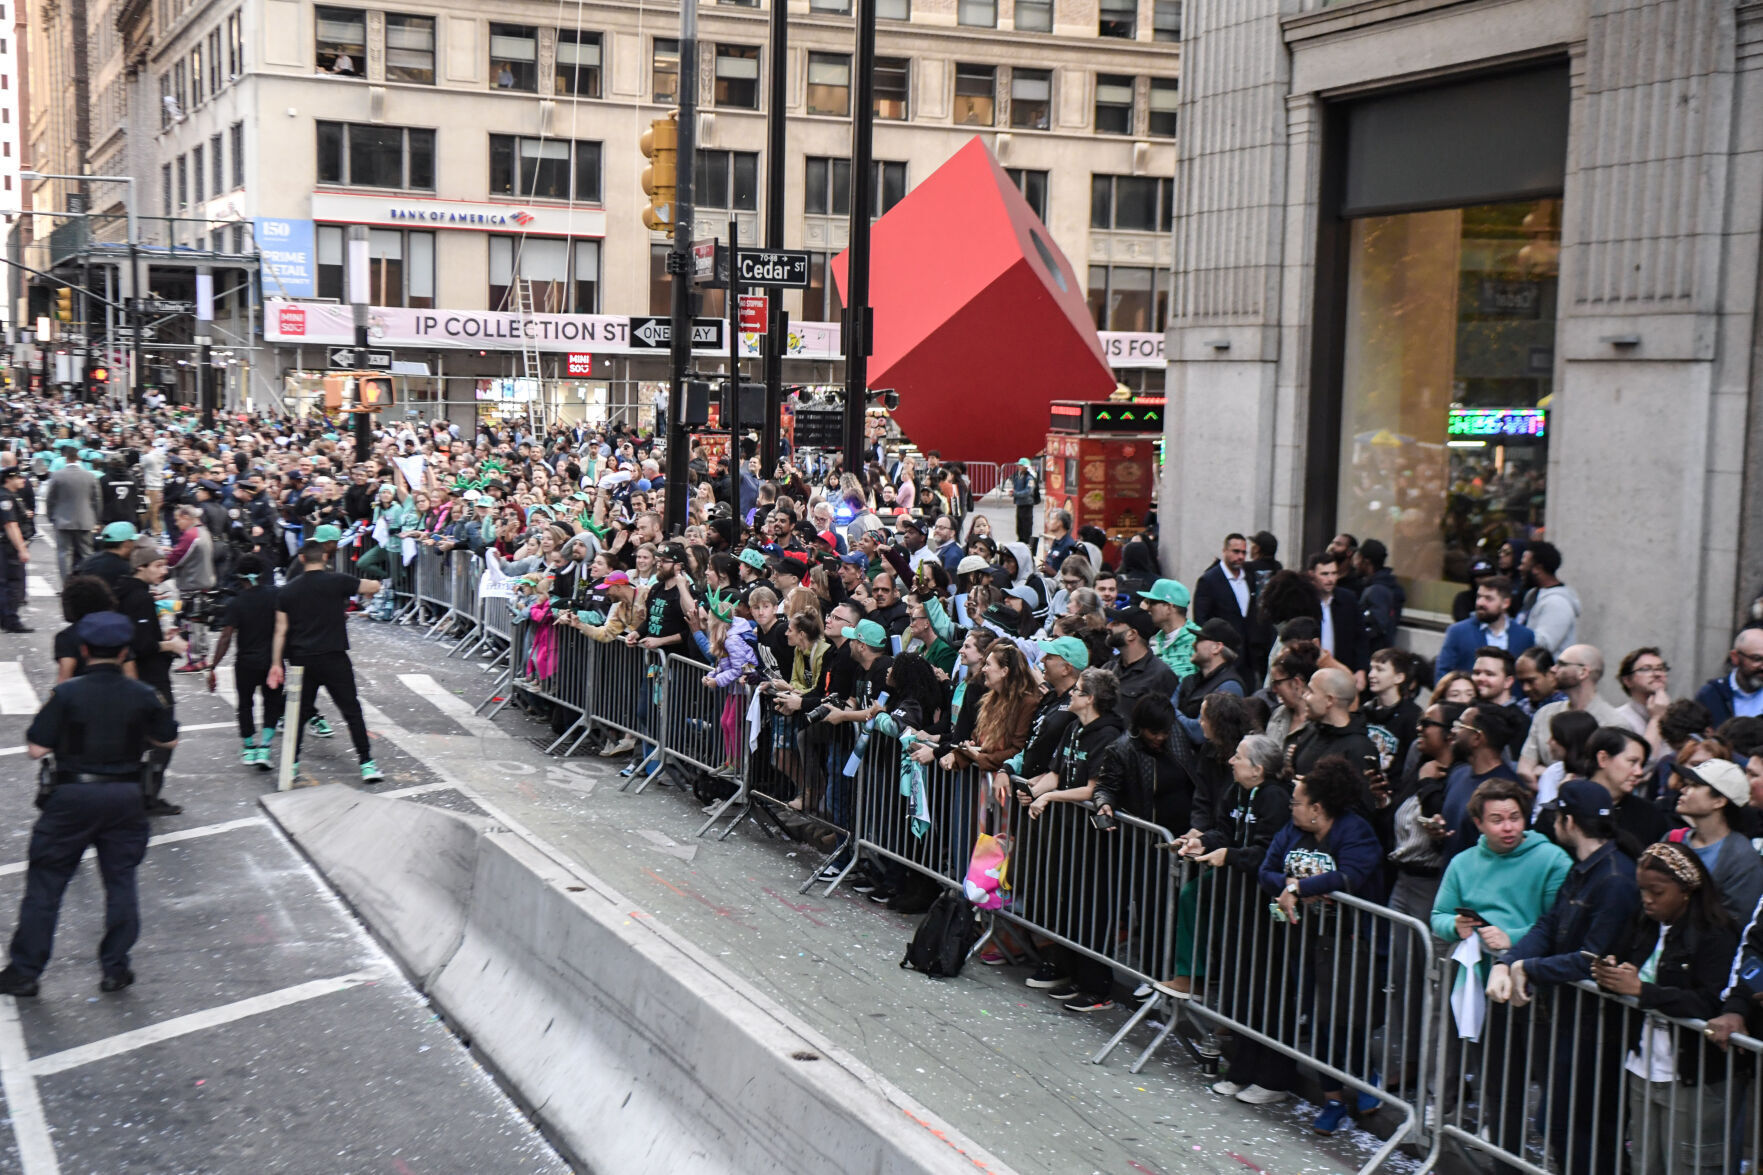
pixel 63 777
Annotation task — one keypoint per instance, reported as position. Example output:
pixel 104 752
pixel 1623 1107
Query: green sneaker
pixel 370 772
pixel 248 754
pixel 317 725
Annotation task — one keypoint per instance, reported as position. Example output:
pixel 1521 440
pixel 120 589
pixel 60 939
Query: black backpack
pixel 940 946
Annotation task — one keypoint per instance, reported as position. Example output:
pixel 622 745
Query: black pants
pixel 12 589
pixel 334 672
pixel 109 817
pixel 248 678
pixel 159 758
pixel 1025 524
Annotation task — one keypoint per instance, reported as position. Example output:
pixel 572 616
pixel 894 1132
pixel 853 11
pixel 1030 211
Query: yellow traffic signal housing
pixel 64 304
pixel 660 145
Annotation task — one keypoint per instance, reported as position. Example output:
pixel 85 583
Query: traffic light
pixel 97 379
pixel 660 145
pixel 64 304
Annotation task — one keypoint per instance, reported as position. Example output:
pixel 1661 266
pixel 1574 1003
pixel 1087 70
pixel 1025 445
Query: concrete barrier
pixel 636 1052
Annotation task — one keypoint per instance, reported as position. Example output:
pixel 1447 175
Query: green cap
pixel 868 632
pixel 752 559
pixel 1167 591
pixel 118 532
pixel 328 534
pixel 1068 649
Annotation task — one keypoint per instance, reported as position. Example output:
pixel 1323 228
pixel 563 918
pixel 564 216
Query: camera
pixel 820 713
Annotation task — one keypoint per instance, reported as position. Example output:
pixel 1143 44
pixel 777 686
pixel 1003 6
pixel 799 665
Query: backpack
pixel 940 946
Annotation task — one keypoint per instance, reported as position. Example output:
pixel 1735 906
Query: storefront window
pixel 1446 377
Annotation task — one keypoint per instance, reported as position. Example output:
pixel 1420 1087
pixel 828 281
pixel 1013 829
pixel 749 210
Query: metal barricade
pixel 887 823
pixel 1617 1087
pixel 982 477
pixel 513 661
pixel 465 571
pixel 430 580
pixel 705 727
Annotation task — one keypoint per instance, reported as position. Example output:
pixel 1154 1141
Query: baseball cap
pixel 970 564
pixel 105 630
pixel 1220 630
pixel 1167 591
pixel 829 538
pixel 855 559
pixel 752 559
pixel 672 552
pixel 613 579
pixel 1137 619
pixel 327 534
pixel 118 532
pixel 1068 649
pixel 916 523
pixel 868 632
pixel 1723 775
pixel 1580 798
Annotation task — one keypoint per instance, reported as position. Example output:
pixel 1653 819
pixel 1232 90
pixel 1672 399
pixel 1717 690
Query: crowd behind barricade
pixel 1478 885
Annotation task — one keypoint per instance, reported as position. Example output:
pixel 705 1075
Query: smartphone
pixel 1590 956
pixel 1466 912
pixel 1751 974
pixel 1022 787
pixel 1102 821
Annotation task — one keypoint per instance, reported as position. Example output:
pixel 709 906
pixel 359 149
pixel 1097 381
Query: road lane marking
pixel 450 704
pixel 226 686
pixel 177 1026
pixel 36 587
pixel 182 730
pixel 36 1150
pixel 164 838
pixel 16 694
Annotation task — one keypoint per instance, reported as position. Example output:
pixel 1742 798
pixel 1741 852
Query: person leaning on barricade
pixel 809 651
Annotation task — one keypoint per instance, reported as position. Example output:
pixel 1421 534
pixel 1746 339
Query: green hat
pixel 328 534
pixel 868 632
pixel 67 443
pixel 752 559
pixel 1068 649
pixel 1024 462
pixel 582 497
pixel 118 532
pixel 1167 591
pixel 722 606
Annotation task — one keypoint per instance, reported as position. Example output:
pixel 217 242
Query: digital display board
pixel 1497 423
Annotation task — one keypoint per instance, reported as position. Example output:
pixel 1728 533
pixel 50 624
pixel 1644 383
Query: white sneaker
pixel 1142 992
pixel 1254 1095
pixel 1226 1088
pixel 623 746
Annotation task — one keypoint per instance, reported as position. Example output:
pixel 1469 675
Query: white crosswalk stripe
pixel 450 704
pixel 224 687
pixel 16 694
pixel 36 587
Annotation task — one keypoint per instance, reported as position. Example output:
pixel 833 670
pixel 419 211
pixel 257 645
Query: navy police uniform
pixel 12 569
pixel 99 727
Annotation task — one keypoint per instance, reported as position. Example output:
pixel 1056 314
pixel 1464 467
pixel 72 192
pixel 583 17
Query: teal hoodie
pixel 1511 890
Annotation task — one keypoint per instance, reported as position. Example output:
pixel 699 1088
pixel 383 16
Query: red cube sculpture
pixel 980 322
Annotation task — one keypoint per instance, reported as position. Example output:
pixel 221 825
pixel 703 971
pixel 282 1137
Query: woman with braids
pixel 1675 961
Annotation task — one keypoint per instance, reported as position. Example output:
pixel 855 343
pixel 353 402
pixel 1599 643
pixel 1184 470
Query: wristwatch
pixel 1292 887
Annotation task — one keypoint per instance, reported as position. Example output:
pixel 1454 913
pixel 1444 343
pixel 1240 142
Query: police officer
pixel 175 493
pixel 14 554
pixel 98 727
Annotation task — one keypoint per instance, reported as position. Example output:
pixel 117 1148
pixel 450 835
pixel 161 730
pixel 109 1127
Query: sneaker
pixel 1332 1118
pixel 993 957
pixel 116 980
pixel 630 769
pixel 159 806
pixel 881 895
pixel 1089 1003
pixel 317 725
pixel 192 667
pixel 1142 992
pixel 248 754
pixel 264 760
pixel 864 884
pixel 1065 991
pixel 1257 1096
pixel 829 871
pixel 1225 1088
pixel 1047 975
pixel 1367 1103
pixel 623 746
pixel 371 773
pixel 16 982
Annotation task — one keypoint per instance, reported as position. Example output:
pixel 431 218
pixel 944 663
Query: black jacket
pixel 1151 785
pixel 1381 604
pixel 1196 686
pixel 1244 822
pixel 1079 757
pixel 134 599
pixel 1213 597
pixel 1349 630
pixel 1315 740
pixel 1148 675
pixel 1692 969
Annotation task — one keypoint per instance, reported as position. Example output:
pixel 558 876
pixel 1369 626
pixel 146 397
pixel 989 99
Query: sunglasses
pixel 1432 722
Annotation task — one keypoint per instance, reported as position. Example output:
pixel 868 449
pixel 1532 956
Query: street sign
pixel 703 260
pixel 358 358
pixel 820 428
pixel 579 364
pixel 778 269
pixel 656 334
pixel 164 306
pixel 753 313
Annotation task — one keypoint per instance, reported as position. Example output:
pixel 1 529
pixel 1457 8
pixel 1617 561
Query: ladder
pixel 529 350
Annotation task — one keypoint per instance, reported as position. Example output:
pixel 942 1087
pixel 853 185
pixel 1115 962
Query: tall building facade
pixel 1453 272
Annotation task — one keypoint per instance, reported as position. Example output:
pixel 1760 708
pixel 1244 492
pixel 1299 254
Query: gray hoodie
pixel 1553 617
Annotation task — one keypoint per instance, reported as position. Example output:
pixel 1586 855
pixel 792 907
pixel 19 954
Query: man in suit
pixel 73 505
pixel 1224 590
pixel 1343 628
pixel 1487 626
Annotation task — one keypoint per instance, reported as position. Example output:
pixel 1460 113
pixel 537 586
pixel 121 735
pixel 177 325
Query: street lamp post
pixel 132 315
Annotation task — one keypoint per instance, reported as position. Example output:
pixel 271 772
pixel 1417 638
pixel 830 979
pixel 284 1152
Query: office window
pixel 737 77
pixel 217 171
pixel 893 9
pixel 578 63
pixel 1165 96
pixel 198 173
pixel 400 266
pixel 545 169
pixel 181 87
pixel 514 57
pixel 827 186
pixel 741 3
pixel 976 95
pixel 214 63
pixel 552 275
pixel 660 282
pixel 664 71
pixel 183 182
pixel 198 78
pixel 820 301
pixel 1113 104
pixel 410 49
pixel 1034 16
pixel 1166 20
pixel 165 204
pixel 1131 202
pixel 893 85
pixel 727 179
pixel 342 41
pixel 1031 99
pixel 1033 185
pixel 1130 298
pixel 238 145
pixel 359 156
pixel 830 7
pixel 1119 18
pixel 235 41
pixel 829 83
pixel 166 100
pixel 585 277
pixel 979 14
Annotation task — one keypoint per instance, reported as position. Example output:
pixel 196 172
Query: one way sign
pixel 656 334
pixel 358 359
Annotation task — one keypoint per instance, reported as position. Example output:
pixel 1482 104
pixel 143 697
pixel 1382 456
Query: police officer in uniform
pixel 14 553
pixel 98 727
pixel 175 493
